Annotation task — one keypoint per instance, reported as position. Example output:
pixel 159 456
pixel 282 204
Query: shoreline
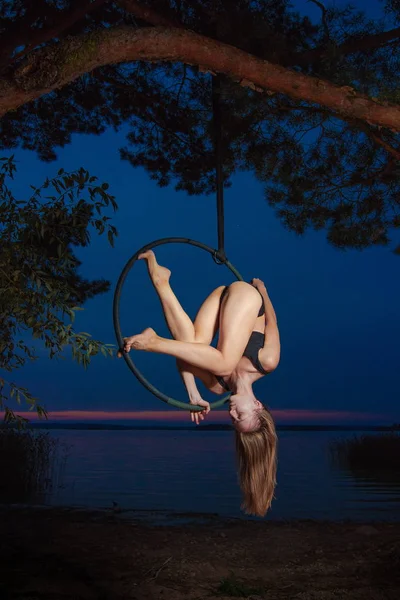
pixel 75 553
pixel 159 516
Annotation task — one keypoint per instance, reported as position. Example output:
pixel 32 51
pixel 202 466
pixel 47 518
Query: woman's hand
pixel 199 415
pixel 258 284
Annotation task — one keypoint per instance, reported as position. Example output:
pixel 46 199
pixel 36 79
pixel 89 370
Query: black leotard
pixel 254 345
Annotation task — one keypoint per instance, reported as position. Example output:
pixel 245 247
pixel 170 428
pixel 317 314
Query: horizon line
pixel 297 415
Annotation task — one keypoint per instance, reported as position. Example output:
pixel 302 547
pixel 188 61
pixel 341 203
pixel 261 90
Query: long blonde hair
pixel 256 453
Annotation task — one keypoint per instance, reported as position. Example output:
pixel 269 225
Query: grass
pixel 31 464
pixel 370 452
pixel 231 586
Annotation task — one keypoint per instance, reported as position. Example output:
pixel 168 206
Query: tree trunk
pixel 54 66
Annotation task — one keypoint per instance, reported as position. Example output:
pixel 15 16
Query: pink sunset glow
pixel 284 416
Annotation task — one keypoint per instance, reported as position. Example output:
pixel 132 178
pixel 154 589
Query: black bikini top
pixel 254 345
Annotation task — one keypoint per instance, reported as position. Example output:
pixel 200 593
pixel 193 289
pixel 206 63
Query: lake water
pixel 194 471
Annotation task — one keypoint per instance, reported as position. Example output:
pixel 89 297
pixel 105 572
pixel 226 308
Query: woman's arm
pixel 188 380
pixel 270 353
pixel 195 398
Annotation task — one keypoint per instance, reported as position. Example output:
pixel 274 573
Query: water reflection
pixel 31 465
pixel 194 471
pixel 370 463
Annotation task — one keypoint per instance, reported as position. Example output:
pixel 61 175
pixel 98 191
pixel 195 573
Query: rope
pixel 220 256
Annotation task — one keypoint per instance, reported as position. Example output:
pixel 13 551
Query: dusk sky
pixel 337 311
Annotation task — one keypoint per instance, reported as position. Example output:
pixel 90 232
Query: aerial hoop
pixel 117 326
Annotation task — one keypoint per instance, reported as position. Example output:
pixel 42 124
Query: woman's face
pixel 243 412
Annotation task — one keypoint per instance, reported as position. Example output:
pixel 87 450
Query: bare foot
pixel 141 341
pixel 158 274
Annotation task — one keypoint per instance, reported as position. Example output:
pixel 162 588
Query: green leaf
pixel 43 282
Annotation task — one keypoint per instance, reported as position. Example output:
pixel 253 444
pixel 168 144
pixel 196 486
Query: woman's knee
pixel 217 293
pixel 225 366
pixel 219 289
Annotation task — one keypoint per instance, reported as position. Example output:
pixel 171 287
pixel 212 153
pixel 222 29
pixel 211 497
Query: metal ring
pixel 117 327
pixel 217 260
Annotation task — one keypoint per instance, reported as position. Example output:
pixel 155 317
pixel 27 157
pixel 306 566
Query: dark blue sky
pixel 337 311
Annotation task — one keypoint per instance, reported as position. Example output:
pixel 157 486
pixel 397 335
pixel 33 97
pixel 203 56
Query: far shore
pixel 203 427
pixel 66 553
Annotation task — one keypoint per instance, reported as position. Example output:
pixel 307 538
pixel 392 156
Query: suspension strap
pixel 219 256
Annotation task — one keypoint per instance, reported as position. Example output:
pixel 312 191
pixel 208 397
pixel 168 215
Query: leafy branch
pixel 40 287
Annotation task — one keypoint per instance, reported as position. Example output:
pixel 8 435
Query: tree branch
pixel 367 129
pixel 147 14
pixel 54 66
pixel 353 122
pixel 324 18
pixel 127 87
pixel 20 28
pixel 359 179
pixel 64 21
pixel 368 42
pixel 378 140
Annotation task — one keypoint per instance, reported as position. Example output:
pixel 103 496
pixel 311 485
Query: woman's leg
pixel 238 315
pixel 179 323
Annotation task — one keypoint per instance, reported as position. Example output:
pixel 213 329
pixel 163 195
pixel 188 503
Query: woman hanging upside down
pixel 248 348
